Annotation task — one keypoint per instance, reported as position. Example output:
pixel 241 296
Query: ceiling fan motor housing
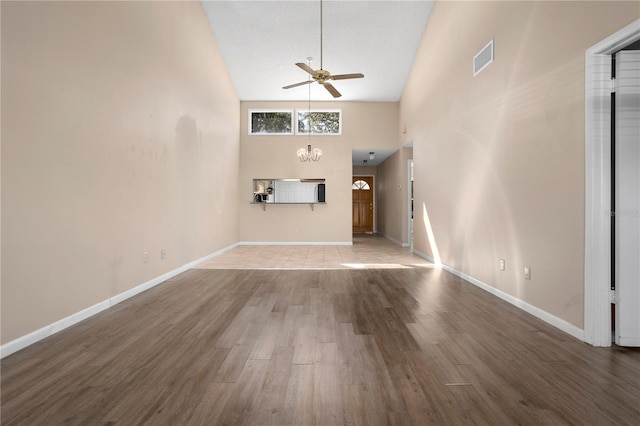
pixel 322 76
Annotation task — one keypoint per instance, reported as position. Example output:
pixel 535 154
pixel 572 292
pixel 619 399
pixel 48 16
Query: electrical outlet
pixel 527 273
pixel 502 265
pixel 163 254
pixel 145 257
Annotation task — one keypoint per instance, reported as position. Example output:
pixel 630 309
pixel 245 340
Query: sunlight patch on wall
pixel 431 236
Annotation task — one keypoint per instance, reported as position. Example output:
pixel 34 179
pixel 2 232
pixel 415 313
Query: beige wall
pixel 392 195
pixel 364 171
pixel 499 159
pixel 365 125
pixel 120 136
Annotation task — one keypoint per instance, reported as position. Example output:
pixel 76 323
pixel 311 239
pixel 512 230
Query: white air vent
pixel 483 58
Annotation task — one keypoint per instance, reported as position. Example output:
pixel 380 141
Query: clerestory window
pixel 270 122
pixel 320 122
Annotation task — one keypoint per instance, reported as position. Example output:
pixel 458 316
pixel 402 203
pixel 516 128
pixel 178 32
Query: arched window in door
pixel 361 185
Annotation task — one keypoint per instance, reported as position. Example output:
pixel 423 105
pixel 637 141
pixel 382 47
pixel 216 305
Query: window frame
pixel 251 111
pixel 312 110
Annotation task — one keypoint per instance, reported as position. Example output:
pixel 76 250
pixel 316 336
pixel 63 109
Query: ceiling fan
pixel 322 76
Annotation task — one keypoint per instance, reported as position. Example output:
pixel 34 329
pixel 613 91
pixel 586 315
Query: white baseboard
pixel 536 312
pixel 46 331
pixel 295 243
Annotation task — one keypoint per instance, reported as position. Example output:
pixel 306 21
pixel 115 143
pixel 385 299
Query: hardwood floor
pixel 303 347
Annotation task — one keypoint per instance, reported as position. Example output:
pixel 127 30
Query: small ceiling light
pixel 371 156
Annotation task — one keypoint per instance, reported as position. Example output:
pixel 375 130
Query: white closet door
pixel 627 209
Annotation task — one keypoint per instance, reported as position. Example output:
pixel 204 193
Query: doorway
pixel 362 198
pixel 598 194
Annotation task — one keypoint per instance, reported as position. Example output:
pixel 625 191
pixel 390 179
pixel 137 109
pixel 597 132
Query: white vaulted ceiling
pixel 262 40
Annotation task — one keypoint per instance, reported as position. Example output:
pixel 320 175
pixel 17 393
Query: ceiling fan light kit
pixel 322 76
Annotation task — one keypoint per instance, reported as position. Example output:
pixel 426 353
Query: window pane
pixel 271 122
pixel 360 184
pixel 320 122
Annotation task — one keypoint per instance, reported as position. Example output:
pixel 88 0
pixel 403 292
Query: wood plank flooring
pixel 411 346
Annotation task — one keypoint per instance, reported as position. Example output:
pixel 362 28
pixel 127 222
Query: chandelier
pixel 309 154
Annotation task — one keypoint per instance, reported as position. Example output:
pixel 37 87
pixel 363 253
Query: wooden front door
pixel 362 189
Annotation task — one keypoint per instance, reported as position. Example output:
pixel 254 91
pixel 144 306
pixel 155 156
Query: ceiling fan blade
pixel 302 83
pixel 306 68
pixel 346 76
pixel 334 92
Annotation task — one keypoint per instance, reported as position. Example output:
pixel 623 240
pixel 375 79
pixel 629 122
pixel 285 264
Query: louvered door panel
pixel 627 190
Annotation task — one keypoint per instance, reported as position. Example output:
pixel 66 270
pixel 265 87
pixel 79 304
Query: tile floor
pixel 367 251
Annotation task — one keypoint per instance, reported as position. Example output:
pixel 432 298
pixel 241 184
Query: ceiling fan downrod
pixel 321 35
